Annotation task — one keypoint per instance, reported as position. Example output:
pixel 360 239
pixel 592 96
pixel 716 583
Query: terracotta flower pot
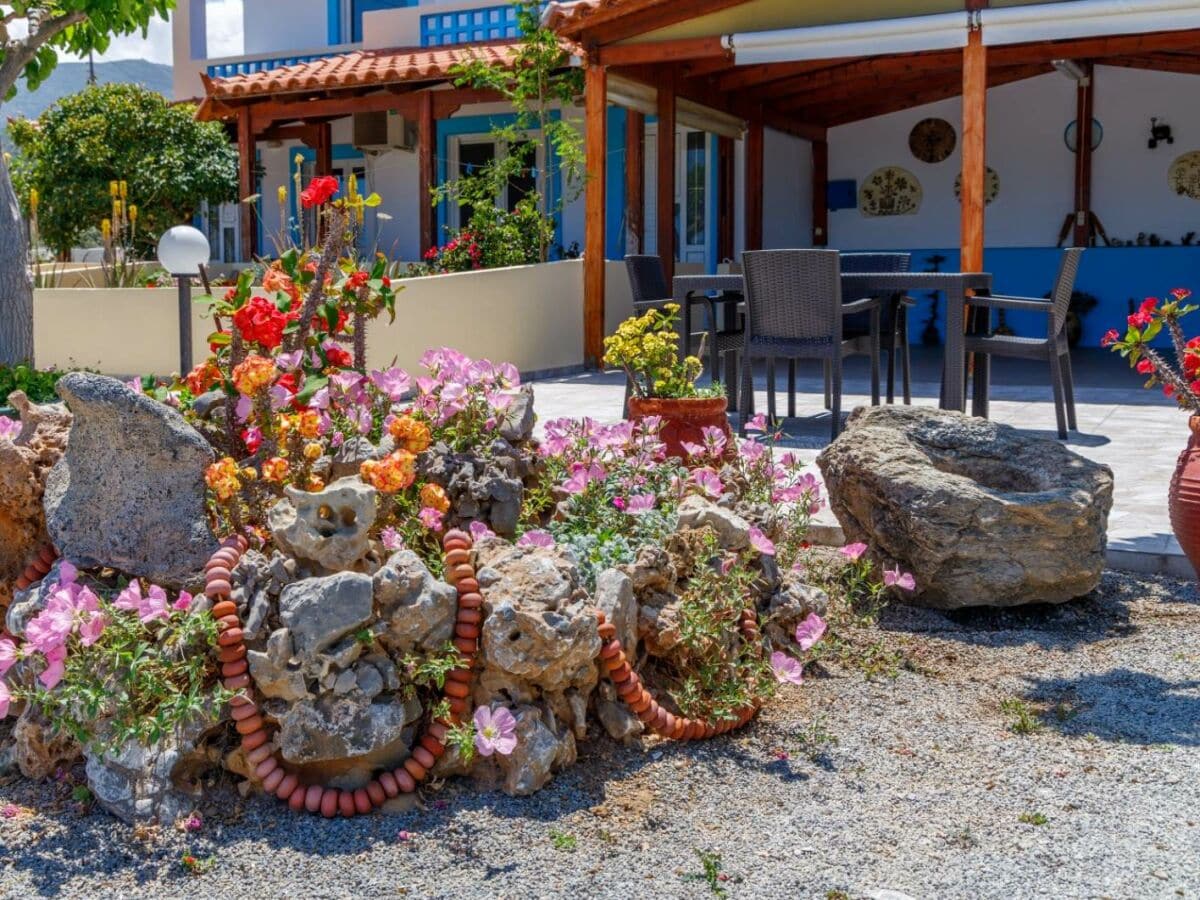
pixel 683 419
pixel 1184 497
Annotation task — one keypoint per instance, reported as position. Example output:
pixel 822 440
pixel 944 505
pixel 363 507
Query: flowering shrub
pixel 1180 379
pixel 107 672
pixel 646 347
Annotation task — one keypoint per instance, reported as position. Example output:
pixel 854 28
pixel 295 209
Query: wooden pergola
pixel 681 48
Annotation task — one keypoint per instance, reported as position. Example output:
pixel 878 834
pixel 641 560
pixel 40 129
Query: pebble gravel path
pixel 1040 753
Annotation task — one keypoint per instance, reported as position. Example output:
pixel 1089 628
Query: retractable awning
pixel 1086 18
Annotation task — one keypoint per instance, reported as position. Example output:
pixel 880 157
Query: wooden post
pixel 666 174
pixel 1084 111
pixel 754 184
pixel 324 149
pixel 974 150
pixel 820 193
pixel 726 202
pixel 427 126
pixel 595 94
pixel 246 186
pixel 635 180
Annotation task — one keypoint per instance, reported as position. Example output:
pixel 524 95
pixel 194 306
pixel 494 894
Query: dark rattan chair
pixel 1053 348
pixel 794 311
pixel 648 282
pixel 893 318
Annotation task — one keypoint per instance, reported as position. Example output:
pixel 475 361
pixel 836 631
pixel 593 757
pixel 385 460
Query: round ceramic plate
pixel 932 140
pixel 991 186
pixel 1184 175
pixel 890 191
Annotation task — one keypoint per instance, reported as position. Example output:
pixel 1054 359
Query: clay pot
pixel 683 419
pixel 1183 499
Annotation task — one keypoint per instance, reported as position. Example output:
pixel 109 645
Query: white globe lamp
pixel 183 251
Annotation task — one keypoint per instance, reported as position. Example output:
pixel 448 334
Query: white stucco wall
pixel 271 26
pixel 787 191
pixel 1025 146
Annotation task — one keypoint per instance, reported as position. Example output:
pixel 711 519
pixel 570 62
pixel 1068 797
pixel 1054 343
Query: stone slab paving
pixel 1135 431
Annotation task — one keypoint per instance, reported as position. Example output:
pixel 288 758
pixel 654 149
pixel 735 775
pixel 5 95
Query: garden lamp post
pixel 183 251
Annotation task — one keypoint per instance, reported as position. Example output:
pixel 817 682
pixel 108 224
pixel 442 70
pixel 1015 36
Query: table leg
pixel 953 393
pixel 981 364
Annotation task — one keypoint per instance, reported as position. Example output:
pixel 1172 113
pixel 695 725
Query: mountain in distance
pixel 70 77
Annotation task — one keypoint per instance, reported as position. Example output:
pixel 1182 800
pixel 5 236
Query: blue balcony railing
pixel 468 25
pixel 250 66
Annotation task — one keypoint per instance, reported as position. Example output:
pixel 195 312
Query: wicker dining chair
pixel 794 311
pixel 648 283
pixel 893 318
pixel 1054 348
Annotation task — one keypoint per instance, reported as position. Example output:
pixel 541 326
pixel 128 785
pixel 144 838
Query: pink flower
pixel 896 578
pixel 761 542
pixel 751 451
pixel 854 551
pixel 131 598
pixel 56 667
pixel 639 504
pixel 536 538
pixel 48 630
pixel 692 449
pixel 811 630
pixel 391 539
pixel 154 606
pixel 479 531
pixel 758 423
pixel 9 428
pixel 287 361
pixel 183 602
pixel 708 481
pixel 495 731
pixel 787 669
pixel 403 836
pixel 91 628
pixel 431 518
pixel 581 477
pixel 193 823
pixel 619 503
pixel 5 699
pixel 393 382
pixel 9 654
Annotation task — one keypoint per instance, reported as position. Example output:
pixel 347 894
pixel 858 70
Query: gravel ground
pixel 910 781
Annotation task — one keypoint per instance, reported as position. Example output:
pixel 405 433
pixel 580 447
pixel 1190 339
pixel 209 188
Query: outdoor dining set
pixel 825 305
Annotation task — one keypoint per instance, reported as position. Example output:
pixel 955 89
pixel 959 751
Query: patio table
pixel 689 289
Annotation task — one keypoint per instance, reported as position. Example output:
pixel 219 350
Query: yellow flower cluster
pixel 254 374
pixel 393 473
pixel 276 469
pixel 222 478
pixel 434 496
pixel 307 423
pixel 647 348
pixel 411 434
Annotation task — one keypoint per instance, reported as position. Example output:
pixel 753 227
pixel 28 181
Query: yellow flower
pixel 313 451
pixel 309 424
pixel 33 201
pixel 253 375
pixel 275 469
pixel 133 213
pixel 106 230
pixel 433 495
pixel 114 189
pixel 298 159
pixel 411 434
pixel 282 192
pixel 352 186
pixel 222 478
pixel 123 186
pixel 315 484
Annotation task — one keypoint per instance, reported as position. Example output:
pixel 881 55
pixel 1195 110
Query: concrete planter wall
pixel 531 316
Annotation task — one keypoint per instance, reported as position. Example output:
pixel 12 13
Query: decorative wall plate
pixel 1071 138
pixel 890 191
pixel 932 140
pixel 1184 175
pixel 991 186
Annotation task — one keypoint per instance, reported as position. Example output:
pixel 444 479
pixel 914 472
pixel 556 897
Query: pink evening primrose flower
pixel 391 539
pixel 135 385
pixel 619 502
pixel 639 504
pixel 5 699
pixel 183 602
pixel 854 551
pixel 131 598
pixel 479 531
pixel 9 654
pixel 431 518
pixel 56 667
pixel 286 361
pixel 9 428
pixel 536 538
pixel 757 423
pixel 787 669
pixel 495 731
pixel 154 606
pixel 811 630
pixel 692 449
pixel 708 481
pixel 393 382
pixel 761 542
pixel 896 578
pixel 49 629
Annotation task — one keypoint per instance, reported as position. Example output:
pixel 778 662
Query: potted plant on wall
pixel 1180 380
pixel 646 347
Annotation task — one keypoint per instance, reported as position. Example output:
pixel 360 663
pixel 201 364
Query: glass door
pixel 693 181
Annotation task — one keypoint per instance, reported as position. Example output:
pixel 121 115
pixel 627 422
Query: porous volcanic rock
pixel 418 609
pixel 329 527
pixel 982 514
pixel 320 611
pixel 129 492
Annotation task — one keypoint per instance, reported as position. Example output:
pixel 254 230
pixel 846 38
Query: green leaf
pixel 312 384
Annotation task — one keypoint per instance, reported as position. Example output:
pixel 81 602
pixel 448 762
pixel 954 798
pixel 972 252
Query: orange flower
pixel 432 495
pixel 201 378
pixel 253 375
pixel 393 473
pixel 275 469
pixel 222 478
pixel 277 282
pixel 308 423
pixel 411 434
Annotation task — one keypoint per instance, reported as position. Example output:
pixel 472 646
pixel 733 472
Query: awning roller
pixel 1086 18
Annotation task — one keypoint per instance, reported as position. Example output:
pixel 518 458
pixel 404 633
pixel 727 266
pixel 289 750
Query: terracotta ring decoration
pixel 38 569
pixel 631 691
pixel 261 755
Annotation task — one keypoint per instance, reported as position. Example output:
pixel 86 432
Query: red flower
pixel 288 381
pixel 320 190
pixel 1181 294
pixel 1145 314
pixel 262 322
pixel 252 438
pixel 319 323
pixel 215 347
pixel 1169 389
pixel 1145 367
pixel 357 280
pixel 431 254
pixel 1110 337
pixel 338 357
pixel 387 282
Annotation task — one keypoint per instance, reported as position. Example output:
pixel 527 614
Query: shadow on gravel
pixel 1121 706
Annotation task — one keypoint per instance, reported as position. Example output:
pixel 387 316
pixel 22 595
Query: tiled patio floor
pixel 1136 432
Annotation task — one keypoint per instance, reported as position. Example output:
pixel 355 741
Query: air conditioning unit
pixel 376 132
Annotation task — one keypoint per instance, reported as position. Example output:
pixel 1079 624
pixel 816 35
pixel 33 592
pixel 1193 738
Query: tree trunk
pixel 16 279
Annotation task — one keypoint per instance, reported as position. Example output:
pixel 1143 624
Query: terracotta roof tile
pixel 569 17
pixel 358 68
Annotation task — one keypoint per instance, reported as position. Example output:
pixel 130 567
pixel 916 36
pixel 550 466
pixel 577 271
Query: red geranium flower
pixel 262 322
pixel 319 191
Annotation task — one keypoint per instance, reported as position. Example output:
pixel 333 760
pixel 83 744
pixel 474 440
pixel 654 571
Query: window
pixel 465 26
pixel 474 153
pixel 696 180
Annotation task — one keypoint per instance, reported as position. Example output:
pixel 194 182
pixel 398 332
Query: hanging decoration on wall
pixel 1160 132
pixel 991 186
pixel 890 191
pixel 932 140
pixel 1071 134
pixel 1184 175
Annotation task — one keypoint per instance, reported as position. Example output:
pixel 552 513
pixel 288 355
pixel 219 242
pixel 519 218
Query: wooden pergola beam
pixel 755 157
pixel 743 77
pixel 656 52
pixel 596 149
pixel 608 25
pixel 1181 65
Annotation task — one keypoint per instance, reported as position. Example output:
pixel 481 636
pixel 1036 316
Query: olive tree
pixel 32 35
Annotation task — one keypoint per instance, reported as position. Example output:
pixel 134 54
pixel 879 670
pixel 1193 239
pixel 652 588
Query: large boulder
pixel 418 609
pixel 982 514
pixel 129 492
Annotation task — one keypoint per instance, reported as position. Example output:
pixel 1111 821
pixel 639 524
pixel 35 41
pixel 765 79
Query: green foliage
pixel 563 840
pixel 430 670
pixel 1032 818
pixel 815 739
pixel 711 874
pixel 38 384
pixel 462 738
pixel 1023 718
pixel 120 132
